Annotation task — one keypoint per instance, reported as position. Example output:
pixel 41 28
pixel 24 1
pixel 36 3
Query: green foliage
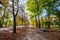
pixel 34 6
pixel 4 13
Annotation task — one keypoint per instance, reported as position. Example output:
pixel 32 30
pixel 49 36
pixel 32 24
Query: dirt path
pixel 32 34
pixel 24 33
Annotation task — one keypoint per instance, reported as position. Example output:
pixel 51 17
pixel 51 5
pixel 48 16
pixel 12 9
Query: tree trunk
pixel 36 23
pixel 22 20
pixel 39 22
pixel 14 24
pixel 59 22
pixel 0 24
pixel 48 20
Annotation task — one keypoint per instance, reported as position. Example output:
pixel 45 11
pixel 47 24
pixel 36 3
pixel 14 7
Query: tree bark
pixel 0 24
pixel 36 21
pixel 14 24
pixel 39 22
pixel 14 18
pixel 48 20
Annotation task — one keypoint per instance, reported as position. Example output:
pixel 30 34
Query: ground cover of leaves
pixel 26 33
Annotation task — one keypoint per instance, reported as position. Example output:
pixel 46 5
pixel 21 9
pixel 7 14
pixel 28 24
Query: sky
pixel 58 8
pixel 44 12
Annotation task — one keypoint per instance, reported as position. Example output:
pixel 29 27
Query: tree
pixel 14 14
pixel 57 12
pixel 35 7
pixel 49 5
pixel 4 4
pixel 58 17
pixel 0 13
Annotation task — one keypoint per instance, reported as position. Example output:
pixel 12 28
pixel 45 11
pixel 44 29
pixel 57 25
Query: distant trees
pixel 0 13
pixel 4 13
pixel 35 7
pixel 58 17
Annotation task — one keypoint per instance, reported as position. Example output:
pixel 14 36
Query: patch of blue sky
pixel 44 12
pixel 58 8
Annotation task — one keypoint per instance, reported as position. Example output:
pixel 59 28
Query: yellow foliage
pixel 5 2
pixel 18 20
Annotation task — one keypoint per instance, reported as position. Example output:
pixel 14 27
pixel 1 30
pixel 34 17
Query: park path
pixel 27 33
pixel 11 27
pixel 24 33
pixel 32 34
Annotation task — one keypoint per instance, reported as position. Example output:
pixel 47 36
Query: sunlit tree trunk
pixel 4 15
pixel 22 20
pixel 36 23
pixel 41 21
pixel 4 10
pixel 38 11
